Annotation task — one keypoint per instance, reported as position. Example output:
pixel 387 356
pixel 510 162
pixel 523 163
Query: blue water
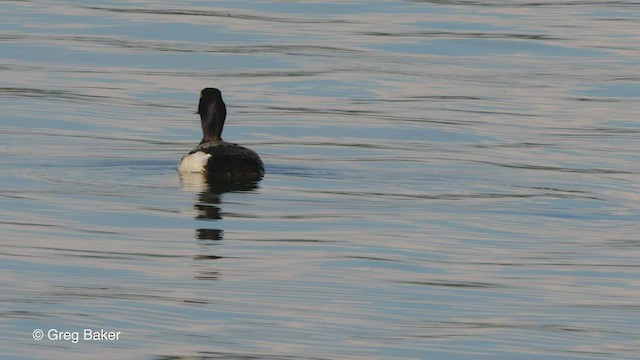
pixel 445 180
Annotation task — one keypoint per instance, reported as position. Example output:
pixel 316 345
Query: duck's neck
pixel 212 117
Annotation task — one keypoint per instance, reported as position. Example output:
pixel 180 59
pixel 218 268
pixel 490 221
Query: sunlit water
pixel 445 180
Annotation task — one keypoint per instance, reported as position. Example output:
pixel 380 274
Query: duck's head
pixel 212 112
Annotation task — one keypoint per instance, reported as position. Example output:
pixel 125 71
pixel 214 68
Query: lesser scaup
pixel 215 157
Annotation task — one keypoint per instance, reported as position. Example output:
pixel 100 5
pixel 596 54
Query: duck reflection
pixel 209 208
pixel 209 234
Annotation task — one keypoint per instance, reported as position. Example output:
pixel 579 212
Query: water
pixel 445 180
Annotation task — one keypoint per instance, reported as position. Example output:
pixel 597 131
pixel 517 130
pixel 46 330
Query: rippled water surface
pixel 445 180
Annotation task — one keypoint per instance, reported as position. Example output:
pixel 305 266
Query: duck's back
pixel 231 160
pixel 223 160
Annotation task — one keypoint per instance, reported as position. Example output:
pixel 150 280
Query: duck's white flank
pixel 193 162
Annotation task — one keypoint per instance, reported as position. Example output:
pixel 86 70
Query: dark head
pixel 212 114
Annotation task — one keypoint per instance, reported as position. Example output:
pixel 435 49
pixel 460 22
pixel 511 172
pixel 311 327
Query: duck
pixel 214 157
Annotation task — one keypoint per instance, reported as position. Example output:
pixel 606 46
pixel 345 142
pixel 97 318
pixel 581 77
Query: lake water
pixel 445 180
